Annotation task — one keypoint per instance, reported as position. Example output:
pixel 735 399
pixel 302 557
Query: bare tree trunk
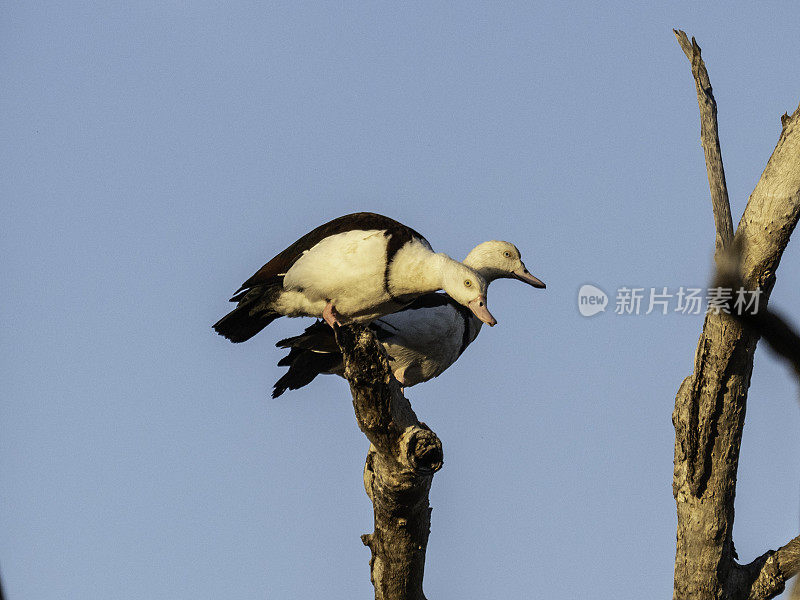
pixel 403 456
pixel 710 404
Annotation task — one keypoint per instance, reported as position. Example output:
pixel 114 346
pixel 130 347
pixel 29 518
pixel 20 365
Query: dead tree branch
pixel 770 571
pixel 403 456
pixel 710 404
pixel 709 135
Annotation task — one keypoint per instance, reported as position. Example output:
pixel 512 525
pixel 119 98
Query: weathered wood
pixel 710 404
pixel 709 136
pixel 770 571
pixel 403 456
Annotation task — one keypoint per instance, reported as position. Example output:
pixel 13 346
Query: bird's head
pixel 467 287
pixel 496 259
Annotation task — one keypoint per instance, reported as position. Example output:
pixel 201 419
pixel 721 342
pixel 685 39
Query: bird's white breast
pixel 347 269
pixel 423 342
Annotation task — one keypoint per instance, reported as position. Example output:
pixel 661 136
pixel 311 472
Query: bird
pixel 352 269
pixel 422 340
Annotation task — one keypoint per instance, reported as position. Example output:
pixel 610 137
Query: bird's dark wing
pixel 318 337
pixel 280 264
pixel 431 300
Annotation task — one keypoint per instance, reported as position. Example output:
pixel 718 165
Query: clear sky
pixel 155 154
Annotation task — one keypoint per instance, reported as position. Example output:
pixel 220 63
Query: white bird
pixel 422 340
pixel 352 269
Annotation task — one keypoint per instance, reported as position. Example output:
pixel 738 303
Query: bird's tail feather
pixel 318 337
pixel 251 316
pixel 304 365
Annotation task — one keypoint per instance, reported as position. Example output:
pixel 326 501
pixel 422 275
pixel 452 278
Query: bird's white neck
pixel 416 269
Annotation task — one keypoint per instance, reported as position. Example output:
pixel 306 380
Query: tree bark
pixel 710 404
pixel 403 456
pixel 709 135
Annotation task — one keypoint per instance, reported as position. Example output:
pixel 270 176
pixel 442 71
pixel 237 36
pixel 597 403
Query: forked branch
pixel 711 402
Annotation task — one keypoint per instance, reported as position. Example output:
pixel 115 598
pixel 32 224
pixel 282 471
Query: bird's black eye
pixel 467 283
pixel 507 254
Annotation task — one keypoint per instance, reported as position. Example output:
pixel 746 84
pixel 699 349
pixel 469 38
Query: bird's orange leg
pixel 330 315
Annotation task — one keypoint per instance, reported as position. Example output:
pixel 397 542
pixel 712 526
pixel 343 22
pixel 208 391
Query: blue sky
pixel 157 154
